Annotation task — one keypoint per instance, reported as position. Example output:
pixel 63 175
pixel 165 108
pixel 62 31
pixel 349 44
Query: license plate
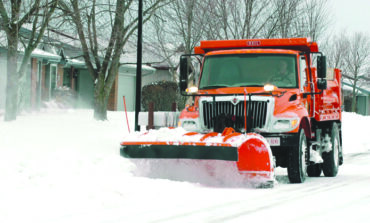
pixel 273 141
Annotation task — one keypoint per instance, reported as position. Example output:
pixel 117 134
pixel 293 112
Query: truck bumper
pixel 280 152
pixel 285 139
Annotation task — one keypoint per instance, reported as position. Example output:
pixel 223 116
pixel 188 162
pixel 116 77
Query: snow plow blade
pixel 250 152
pixel 165 151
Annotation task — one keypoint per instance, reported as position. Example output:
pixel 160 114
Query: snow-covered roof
pixel 361 89
pixel 75 62
pixel 59 46
pixel 131 68
pixel 38 53
pixel 150 55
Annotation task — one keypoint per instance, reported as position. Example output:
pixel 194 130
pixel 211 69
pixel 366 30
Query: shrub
pixel 163 94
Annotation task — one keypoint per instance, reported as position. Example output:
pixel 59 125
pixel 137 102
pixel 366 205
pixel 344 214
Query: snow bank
pixel 62 166
pixel 355 133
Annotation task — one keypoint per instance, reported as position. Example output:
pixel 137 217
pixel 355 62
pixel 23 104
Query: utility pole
pixel 138 65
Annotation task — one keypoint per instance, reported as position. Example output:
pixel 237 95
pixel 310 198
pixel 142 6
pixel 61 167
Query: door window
pixel 302 67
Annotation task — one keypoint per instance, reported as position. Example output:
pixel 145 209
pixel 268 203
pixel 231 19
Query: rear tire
pixel 314 170
pixel 331 159
pixel 297 160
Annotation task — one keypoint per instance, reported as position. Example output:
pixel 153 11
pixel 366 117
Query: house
pixel 125 85
pixel 42 76
pixel 57 71
pixel 153 69
pixel 362 97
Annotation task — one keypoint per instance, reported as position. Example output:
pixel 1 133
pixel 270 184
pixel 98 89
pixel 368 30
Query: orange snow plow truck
pixel 258 103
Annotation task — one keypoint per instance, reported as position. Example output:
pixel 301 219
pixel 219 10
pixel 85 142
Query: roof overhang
pixel 360 91
pixel 41 54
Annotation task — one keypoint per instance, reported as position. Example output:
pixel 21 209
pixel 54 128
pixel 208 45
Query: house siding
pixel 44 89
pixel 363 105
pixel 126 88
pixel 362 100
pixel 84 89
pixel 60 72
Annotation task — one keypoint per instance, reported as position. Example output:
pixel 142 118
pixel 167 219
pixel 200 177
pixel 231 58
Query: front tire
pixel 297 166
pixel 331 158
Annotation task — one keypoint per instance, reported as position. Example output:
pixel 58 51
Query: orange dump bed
pixel 301 44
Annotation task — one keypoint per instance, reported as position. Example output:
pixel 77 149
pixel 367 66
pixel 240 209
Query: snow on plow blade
pixel 250 152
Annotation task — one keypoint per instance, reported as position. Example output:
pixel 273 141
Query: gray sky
pixel 351 15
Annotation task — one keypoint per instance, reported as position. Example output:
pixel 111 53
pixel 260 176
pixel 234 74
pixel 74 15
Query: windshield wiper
pixel 251 85
pixel 213 87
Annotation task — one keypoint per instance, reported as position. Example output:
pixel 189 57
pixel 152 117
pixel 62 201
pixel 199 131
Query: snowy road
pixel 60 166
pixel 344 198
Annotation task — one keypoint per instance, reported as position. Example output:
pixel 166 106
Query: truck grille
pixel 224 109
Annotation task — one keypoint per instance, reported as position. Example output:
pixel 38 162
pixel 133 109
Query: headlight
pixel 284 125
pixel 192 90
pixel 189 125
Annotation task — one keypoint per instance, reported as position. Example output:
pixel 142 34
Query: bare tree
pixel 286 13
pixel 15 15
pixel 335 49
pixel 236 19
pixel 178 28
pixel 186 22
pixel 313 19
pixel 357 60
pixel 164 46
pixel 103 28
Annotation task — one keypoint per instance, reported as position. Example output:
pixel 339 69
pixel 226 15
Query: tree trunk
pixel 100 109
pixel 100 102
pixel 12 80
pixel 354 95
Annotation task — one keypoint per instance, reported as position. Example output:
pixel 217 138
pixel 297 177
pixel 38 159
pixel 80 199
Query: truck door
pixel 304 84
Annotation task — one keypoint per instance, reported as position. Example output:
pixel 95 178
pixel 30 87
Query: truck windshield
pixel 241 70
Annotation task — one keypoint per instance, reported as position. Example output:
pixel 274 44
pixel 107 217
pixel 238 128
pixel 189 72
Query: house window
pixel 67 77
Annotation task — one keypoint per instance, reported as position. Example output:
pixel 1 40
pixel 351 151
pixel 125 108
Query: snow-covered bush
pixel 162 94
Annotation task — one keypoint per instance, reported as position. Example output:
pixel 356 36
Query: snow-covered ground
pixel 62 166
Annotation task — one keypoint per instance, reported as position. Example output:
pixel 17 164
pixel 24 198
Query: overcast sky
pixel 351 15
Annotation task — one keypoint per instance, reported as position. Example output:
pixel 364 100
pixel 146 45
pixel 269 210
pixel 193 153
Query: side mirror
pixel 184 73
pixel 321 84
pixel 321 67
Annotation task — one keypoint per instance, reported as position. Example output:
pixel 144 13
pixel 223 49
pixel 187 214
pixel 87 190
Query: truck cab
pixel 270 87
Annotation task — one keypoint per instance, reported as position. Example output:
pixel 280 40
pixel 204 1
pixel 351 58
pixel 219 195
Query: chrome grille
pixel 258 111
